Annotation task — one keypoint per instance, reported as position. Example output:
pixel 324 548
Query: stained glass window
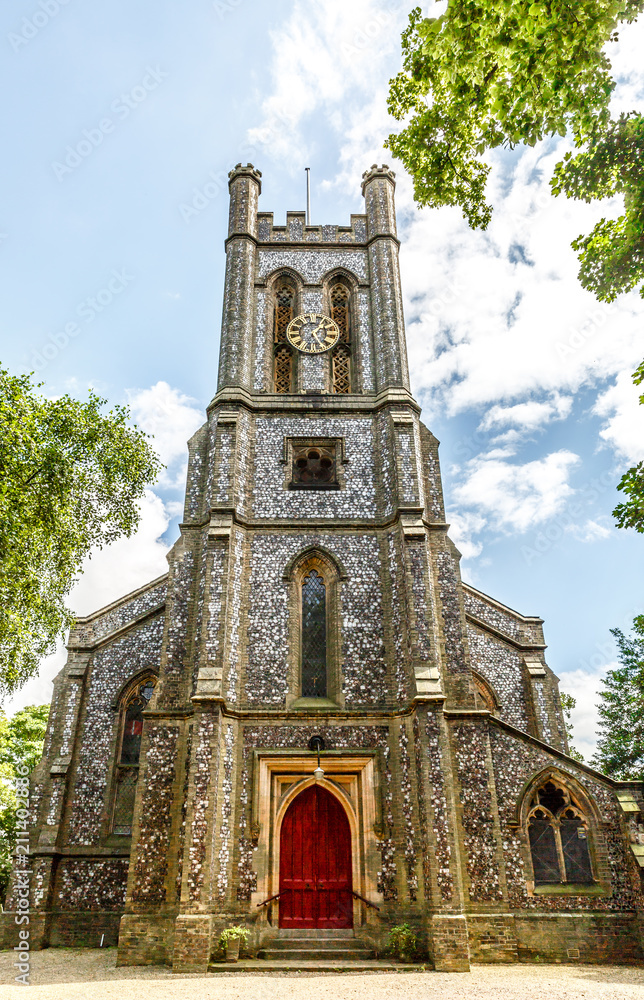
pixel 313 636
pixel 545 859
pixel 132 732
pixel 558 838
pixel 574 844
pixel 128 766
pixel 124 801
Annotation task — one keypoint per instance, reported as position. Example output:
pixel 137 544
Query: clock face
pixel 313 333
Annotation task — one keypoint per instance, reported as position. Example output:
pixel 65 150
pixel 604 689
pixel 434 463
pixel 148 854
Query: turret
pixel 378 187
pixel 245 186
pixel 237 322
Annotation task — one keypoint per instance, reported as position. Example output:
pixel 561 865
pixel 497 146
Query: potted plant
pixel 402 942
pixel 230 940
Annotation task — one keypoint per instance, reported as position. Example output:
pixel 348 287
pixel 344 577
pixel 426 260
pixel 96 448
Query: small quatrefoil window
pixel 314 467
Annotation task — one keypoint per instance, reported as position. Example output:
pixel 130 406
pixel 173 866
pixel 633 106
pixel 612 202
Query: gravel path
pixel 62 973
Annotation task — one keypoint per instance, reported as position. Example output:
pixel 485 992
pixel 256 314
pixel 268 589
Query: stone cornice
pixel 307 245
pixel 511 612
pixel 95 615
pixel 310 403
pixel 366 715
pixel 554 752
pixel 521 647
pixel 83 646
pixel 223 519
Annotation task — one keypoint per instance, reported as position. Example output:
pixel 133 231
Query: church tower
pixel 312 724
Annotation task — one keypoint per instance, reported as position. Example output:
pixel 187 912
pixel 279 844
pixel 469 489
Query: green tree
pixel 21 743
pixel 70 479
pixel 620 747
pixel 630 514
pixel 487 75
pixel 568 703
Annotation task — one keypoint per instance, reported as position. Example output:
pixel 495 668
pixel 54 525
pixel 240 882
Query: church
pixel 311 726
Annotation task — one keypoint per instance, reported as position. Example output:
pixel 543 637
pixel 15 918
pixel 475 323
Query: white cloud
pixel 126 564
pixel 462 525
pixel 590 531
pixel 496 318
pixel 172 419
pixel 626 57
pixel 322 51
pixel 528 416
pixel 516 497
pixel 38 690
pixel 624 427
pixel 499 316
pixel 584 686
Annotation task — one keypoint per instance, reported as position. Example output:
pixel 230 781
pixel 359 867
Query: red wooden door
pixel 315 862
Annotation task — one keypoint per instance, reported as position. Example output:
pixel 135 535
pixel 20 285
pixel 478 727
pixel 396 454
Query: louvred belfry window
pixel 341 369
pixel 127 770
pixel 283 360
pixel 340 311
pixel 341 356
pixel 283 374
pixel 558 835
pixel 313 636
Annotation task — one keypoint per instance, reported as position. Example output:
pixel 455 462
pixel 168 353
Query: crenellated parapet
pixel 296 230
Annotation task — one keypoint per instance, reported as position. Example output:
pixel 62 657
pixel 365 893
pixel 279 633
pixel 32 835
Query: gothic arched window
pixel 134 704
pixel 283 313
pixel 315 580
pixel 558 835
pixel 340 296
pixel 314 652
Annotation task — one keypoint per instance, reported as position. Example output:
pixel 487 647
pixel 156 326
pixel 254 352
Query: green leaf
pixel 71 476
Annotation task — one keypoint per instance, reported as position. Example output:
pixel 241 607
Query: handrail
pixel 276 896
pixel 356 895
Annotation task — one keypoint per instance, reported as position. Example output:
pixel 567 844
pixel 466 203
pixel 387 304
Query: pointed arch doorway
pixel 315 863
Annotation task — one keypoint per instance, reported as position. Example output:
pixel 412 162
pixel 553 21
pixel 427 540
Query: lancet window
pixel 127 770
pixel 341 357
pixel 283 313
pixel 314 645
pixel 558 834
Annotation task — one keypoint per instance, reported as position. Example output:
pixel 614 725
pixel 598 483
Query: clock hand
pixel 322 327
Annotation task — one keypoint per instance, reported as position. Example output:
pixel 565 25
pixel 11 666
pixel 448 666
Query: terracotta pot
pixel 232 949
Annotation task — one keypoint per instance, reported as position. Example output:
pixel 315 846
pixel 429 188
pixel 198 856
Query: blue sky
pixel 120 126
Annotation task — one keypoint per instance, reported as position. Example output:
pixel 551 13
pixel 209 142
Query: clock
pixel 313 333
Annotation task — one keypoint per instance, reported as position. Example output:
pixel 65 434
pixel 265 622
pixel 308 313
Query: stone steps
pixel 327 949
pixel 308 954
pixel 317 945
pixel 308 966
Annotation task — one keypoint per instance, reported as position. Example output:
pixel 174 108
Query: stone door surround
pixel 278 777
